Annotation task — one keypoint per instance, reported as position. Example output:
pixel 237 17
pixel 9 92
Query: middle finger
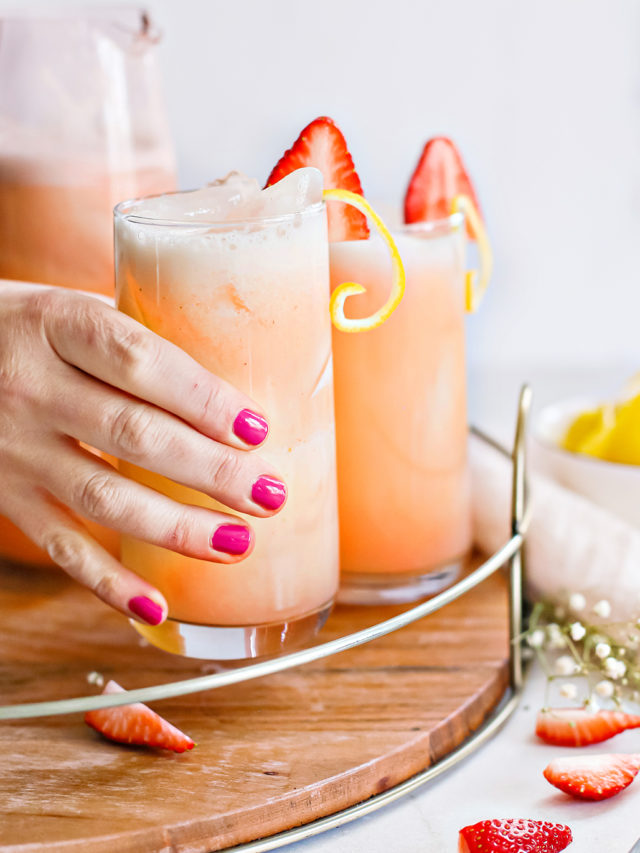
pixel 123 426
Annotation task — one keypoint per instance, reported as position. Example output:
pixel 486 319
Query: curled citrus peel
pixel 476 281
pixel 351 288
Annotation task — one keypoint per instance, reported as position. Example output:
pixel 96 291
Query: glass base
pixel 231 642
pixel 401 588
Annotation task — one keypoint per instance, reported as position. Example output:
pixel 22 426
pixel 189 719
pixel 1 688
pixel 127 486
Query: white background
pixel 543 99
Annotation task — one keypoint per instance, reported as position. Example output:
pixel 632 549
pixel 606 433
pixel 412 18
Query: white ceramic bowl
pixel 614 486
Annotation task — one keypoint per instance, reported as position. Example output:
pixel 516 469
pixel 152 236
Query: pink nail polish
pixel 231 539
pixel 250 427
pixel 269 492
pixel 146 609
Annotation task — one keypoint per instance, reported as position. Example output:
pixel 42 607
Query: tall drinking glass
pixel 82 127
pixel 401 419
pixel 249 300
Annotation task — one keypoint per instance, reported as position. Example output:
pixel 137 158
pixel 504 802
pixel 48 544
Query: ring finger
pixel 112 421
pixel 95 490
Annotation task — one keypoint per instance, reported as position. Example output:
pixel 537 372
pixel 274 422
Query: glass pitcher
pixel 82 127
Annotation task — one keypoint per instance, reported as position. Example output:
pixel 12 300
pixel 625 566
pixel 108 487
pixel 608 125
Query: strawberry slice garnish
pixel 438 178
pixel 593 777
pixel 136 724
pixel 509 836
pixel 579 727
pixel 321 144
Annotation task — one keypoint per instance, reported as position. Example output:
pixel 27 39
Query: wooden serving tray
pixel 272 754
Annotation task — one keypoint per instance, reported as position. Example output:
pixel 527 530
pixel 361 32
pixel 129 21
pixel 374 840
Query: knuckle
pixel 213 403
pixel 132 431
pixel 180 536
pixel 227 470
pixel 107 586
pixel 98 497
pixel 67 549
pixel 19 371
pixel 13 384
pixel 41 303
pixel 133 350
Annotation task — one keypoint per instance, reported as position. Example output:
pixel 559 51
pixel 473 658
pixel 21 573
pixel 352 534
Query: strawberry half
pixel 438 178
pixel 578 727
pixel 321 144
pixel 592 777
pixel 136 724
pixel 514 836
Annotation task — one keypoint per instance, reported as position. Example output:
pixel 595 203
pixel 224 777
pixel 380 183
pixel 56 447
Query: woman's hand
pixel 73 369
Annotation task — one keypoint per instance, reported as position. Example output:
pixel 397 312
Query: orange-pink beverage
pixel 401 423
pixel 56 218
pixel 239 278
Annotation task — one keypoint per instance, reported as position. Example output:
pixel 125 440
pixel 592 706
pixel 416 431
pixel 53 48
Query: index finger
pixel 115 348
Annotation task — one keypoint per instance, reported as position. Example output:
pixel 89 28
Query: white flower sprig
pixel 574 642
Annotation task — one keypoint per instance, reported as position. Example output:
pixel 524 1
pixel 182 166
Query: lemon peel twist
pixel 476 281
pixel 352 288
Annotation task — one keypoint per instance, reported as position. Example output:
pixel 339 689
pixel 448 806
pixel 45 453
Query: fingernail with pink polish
pixel 146 609
pixel 269 493
pixel 250 427
pixel 231 539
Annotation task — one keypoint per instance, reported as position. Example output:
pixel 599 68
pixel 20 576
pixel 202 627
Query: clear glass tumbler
pixel 250 301
pixel 401 419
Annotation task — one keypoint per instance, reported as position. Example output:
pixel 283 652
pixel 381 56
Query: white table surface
pixel 504 778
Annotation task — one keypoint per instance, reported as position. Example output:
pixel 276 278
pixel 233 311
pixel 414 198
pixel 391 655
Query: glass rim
pixel 121 213
pixel 447 223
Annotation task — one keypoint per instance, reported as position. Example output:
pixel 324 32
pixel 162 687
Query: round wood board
pixel 272 754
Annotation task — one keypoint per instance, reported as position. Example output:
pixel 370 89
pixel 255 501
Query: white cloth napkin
pixel 572 545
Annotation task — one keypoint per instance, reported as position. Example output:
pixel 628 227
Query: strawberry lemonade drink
pixel 404 483
pixel 239 278
pixel 400 392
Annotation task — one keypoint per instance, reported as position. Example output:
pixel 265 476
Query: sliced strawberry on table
pixel 514 836
pixel 136 724
pixel 592 777
pixel 438 178
pixel 321 144
pixel 579 727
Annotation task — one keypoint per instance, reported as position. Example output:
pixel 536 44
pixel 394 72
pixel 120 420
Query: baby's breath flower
pixel 536 638
pixel 614 668
pixel 577 631
pixel 556 638
pixel 566 665
pixel 96 678
pixel 602 608
pixel 605 689
pixel 569 691
pixel 572 643
pixel 577 602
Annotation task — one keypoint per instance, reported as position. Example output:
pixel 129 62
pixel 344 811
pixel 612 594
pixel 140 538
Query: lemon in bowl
pixel 593 448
